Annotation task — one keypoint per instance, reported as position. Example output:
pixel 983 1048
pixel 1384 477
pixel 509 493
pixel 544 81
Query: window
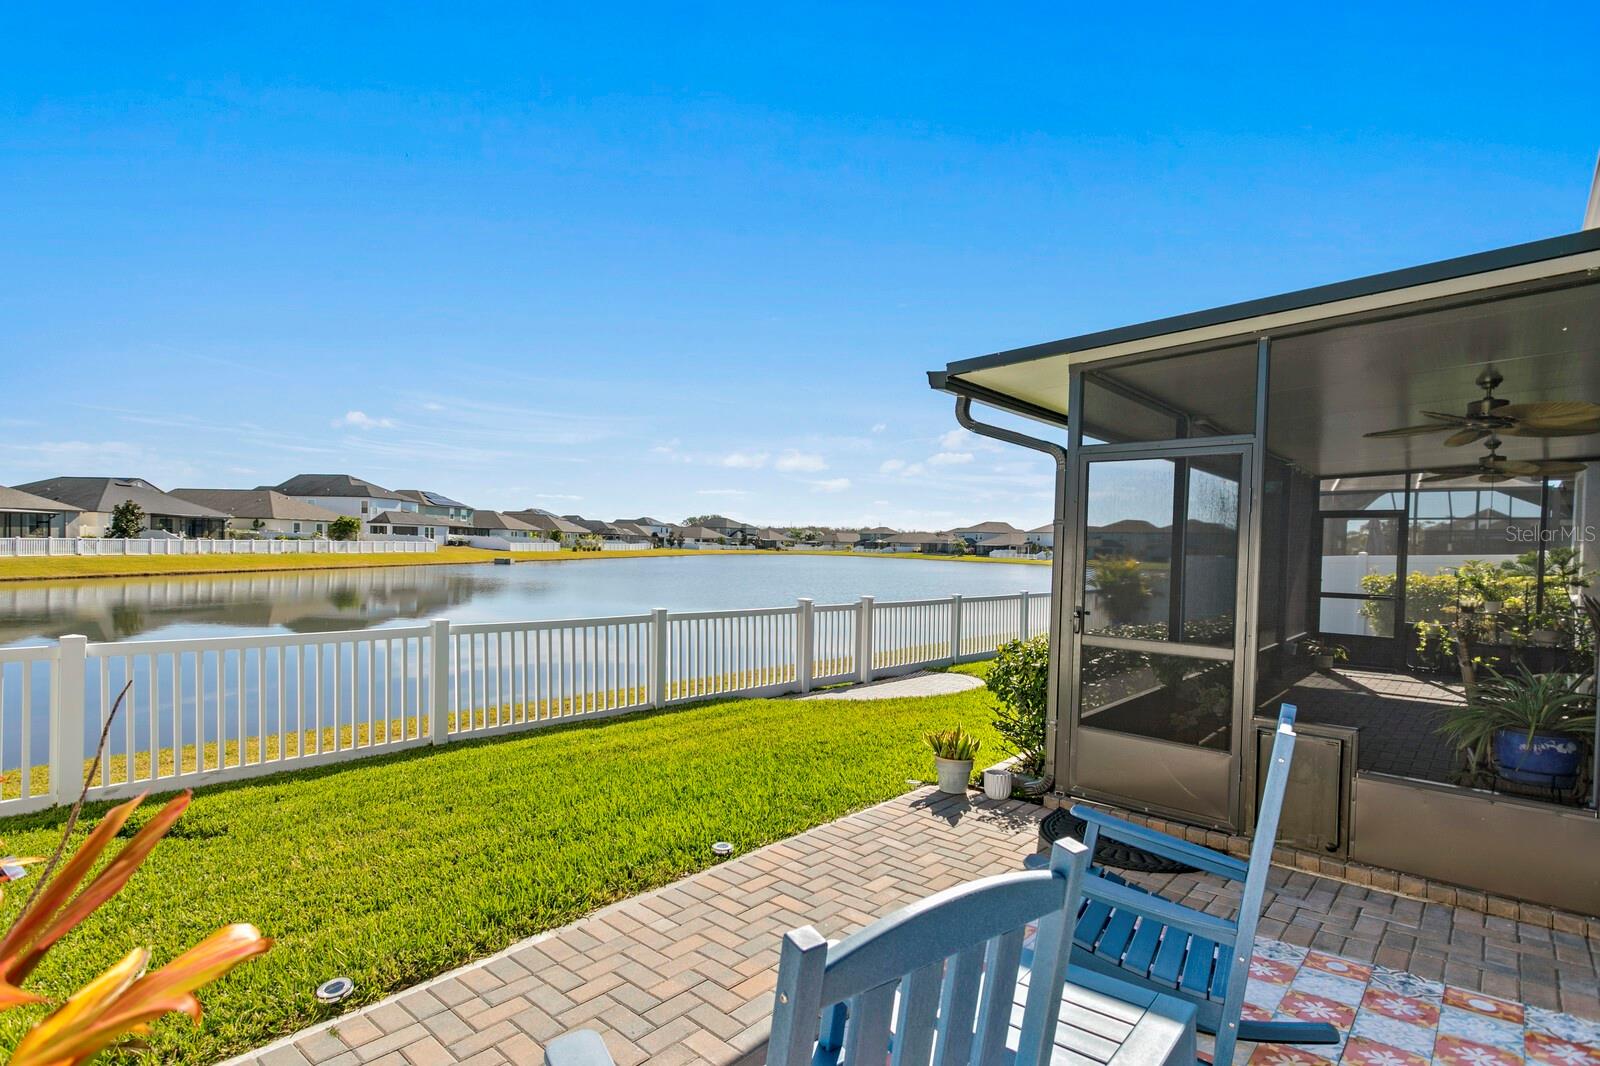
pixel 297 527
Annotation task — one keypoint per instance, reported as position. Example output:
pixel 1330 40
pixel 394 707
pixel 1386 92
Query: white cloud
pixel 720 492
pixel 801 462
pixel 361 420
pixel 891 466
pixel 832 484
pixel 961 440
pixel 879 427
pixel 555 496
pixel 745 460
pixel 949 458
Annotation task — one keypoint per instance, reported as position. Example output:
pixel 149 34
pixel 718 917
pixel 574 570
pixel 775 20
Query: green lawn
pixel 395 869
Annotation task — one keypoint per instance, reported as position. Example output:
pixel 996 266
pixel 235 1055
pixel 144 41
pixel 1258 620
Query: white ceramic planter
pixel 997 784
pixel 953 775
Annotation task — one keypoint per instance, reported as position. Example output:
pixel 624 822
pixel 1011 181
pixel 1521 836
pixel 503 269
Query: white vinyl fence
pixel 17 546
pixel 215 709
pixel 512 544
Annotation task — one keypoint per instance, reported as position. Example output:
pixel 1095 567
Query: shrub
pixel 1123 587
pixel 344 527
pixel 127 521
pixel 1019 679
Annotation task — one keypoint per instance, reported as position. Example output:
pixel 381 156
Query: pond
pixel 311 601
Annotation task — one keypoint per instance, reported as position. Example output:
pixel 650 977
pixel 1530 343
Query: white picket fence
pixel 216 709
pixel 23 546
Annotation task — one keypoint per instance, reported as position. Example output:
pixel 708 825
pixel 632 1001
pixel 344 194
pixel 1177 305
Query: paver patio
pixel 685 973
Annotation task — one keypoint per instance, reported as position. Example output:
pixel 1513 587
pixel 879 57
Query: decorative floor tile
pixel 1576 1030
pixel 1278 951
pixel 1321 960
pixel 1417 1039
pixel 1554 1051
pixel 1283 1055
pixel 1363 1052
pixel 1479 1003
pixel 1480 1028
pixel 1264 995
pixel 1407 984
pixel 1305 1007
pixel 1320 983
pixel 1401 1008
pixel 1454 1051
pixel 1271 971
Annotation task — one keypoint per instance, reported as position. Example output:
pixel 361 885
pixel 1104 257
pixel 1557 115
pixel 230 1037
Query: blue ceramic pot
pixel 1551 760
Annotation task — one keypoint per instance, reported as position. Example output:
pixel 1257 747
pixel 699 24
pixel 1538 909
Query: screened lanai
pixel 1322 498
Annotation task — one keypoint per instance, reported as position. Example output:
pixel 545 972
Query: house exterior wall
pixel 95 524
pixel 357 506
pixel 274 527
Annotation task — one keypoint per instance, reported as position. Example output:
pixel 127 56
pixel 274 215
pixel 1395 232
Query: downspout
pixel 1058 527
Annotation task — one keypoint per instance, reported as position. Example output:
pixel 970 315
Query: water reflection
pixel 303 602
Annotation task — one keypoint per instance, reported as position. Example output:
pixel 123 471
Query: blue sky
pixel 645 260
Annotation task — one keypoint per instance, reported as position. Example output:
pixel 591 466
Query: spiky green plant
pixel 1523 701
pixel 954 743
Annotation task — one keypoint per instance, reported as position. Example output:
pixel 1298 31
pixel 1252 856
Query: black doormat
pixel 1107 852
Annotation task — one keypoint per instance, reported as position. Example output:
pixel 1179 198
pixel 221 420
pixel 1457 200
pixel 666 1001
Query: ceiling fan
pixel 1493 415
pixel 1494 467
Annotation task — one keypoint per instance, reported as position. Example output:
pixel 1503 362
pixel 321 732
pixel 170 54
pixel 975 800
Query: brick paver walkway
pixel 685 973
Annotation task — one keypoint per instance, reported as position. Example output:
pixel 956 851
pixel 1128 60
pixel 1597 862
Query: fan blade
pixel 1465 436
pixel 1558 468
pixel 1454 420
pixel 1562 418
pixel 1494 477
pixel 1520 467
pixel 1451 475
pixel 1408 431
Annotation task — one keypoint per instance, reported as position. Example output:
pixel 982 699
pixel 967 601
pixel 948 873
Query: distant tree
pixel 127 521
pixel 345 527
pixel 697 520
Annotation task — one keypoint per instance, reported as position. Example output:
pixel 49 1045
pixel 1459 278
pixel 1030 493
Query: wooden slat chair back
pixel 1158 944
pixel 933 984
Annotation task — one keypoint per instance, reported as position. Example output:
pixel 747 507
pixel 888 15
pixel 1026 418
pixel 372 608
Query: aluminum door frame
pixel 1243 659
pixel 1401 642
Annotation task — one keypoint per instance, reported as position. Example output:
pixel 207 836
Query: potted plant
pixel 953 752
pixel 1544 628
pixel 1325 652
pixel 1531 726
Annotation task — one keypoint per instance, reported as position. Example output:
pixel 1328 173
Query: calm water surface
pixel 320 601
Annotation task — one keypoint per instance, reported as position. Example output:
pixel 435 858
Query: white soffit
pixel 1043 381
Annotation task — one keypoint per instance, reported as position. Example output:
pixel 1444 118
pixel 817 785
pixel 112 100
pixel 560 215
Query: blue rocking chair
pixel 1139 937
pixel 947 981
